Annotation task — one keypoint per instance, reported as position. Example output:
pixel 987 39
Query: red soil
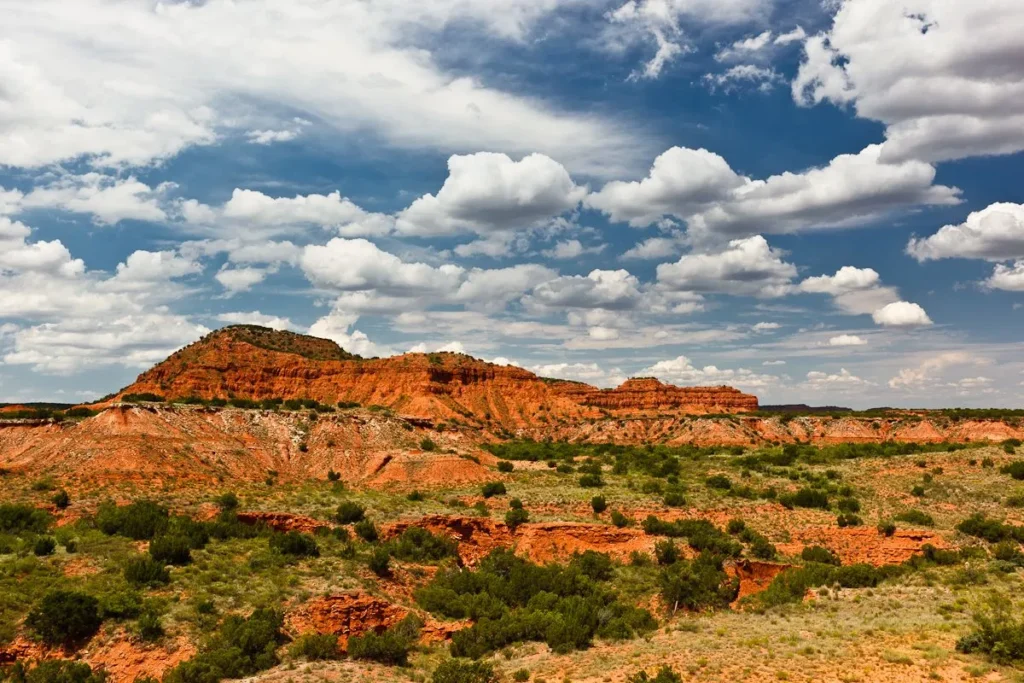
pixel 862 544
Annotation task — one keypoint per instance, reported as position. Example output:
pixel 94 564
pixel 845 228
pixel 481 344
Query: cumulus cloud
pixel 944 77
pixel 337 326
pixel 356 264
pixel 680 370
pixel 841 381
pixel 930 370
pixel 488 192
pixel 740 76
pixel 653 248
pixel 748 267
pixel 996 233
pixel 855 291
pixel 107 199
pixel 256 318
pixel 766 327
pixel 589 373
pixel 236 280
pixel 760 46
pixel 847 340
pixel 141 87
pixel 1008 278
pixel 605 289
pixel 700 188
pixel 901 314
pixel 570 249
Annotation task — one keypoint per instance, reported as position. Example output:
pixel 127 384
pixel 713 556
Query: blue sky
pixel 813 201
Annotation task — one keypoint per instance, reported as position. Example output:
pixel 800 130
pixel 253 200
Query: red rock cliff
pixel 256 363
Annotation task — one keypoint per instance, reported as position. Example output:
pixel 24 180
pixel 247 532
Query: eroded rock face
pixel 345 615
pixel 283 521
pixel 863 544
pixel 754 576
pixel 258 364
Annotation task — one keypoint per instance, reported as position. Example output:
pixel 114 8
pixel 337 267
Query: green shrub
pixel 735 526
pixel 493 488
pixel 665 675
pixel 845 520
pixel 998 632
pixel 620 520
pixel 174 550
pixel 294 544
pixel 591 481
pixel 241 647
pixel 350 513
pixel 416 544
pixel 521 675
pixel 915 517
pixel 816 553
pixel 379 561
pixel 674 499
pixel 415 496
pixel 148 626
pixel 315 647
pixel 762 548
pixel 1014 469
pixel 16 519
pixel 145 571
pixel 427 444
pixel 56 671
pixel 227 501
pixel 698 584
pixel 718 481
pixel 505 466
pixel 1015 501
pixel 917 491
pixel 390 647
pixel 516 517
pixel 598 504
pixel 61 500
pixel 467 671
pixel 139 521
pixel 333 476
pixel 125 604
pixel 805 498
pixel 44 546
pixel 886 528
pixel 700 534
pixel 988 463
pixel 991 530
pixel 849 505
pixel 666 552
pixel 367 531
pixel 65 617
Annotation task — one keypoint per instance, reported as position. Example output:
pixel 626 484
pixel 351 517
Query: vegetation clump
pixel 65 617
pixel 241 647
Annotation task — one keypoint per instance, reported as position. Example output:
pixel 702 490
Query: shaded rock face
pixel 253 363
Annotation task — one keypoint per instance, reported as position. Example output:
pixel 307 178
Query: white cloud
pixel 1007 278
pixel 107 199
pixel 251 214
pixel 931 369
pixel 236 280
pixel 337 326
pixel 844 380
pixel 269 137
pixel 701 189
pixel 147 267
pixel 570 249
pixel 152 80
pixel 604 289
pixel 488 192
pixel 772 363
pixel 498 286
pixel 855 291
pixel 847 340
pixel 762 78
pixel 901 314
pixel 759 46
pixel 996 233
pixel 653 248
pixel 589 373
pixel 256 318
pixel 748 267
pixel 766 327
pixel 681 370
pixel 358 265
pixel 943 76
pixel 661 23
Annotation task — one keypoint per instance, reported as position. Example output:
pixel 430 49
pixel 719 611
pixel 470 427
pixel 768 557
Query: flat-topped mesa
pixel 650 394
pixel 248 362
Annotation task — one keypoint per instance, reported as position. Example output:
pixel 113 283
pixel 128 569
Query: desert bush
pixel 349 513
pixel 379 561
pixel 1014 469
pixel 61 500
pixel 998 632
pixel 241 647
pixel 145 571
pixel 367 531
pixel 917 491
pixel 390 647
pixel 844 520
pixel 333 476
pixel 805 498
pixel 427 444
pixel 171 549
pixel 123 604
pixel 44 546
pixel 415 496
pixel 665 675
pixel 620 520
pixel 700 534
pixel 139 521
pixel 416 544
pixel 315 647
pixel 598 504
pixel 227 501
pixel 294 544
pixel 516 517
pixel 886 528
pixel 465 671
pixel 148 626
pixel 718 481
pixel 849 505
pixel 666 552
pixel 55 671
pixel 505 466
pixel 674 499
pixel 915 517
pixel 16 519
pixel 991 530
pixel 65 617
pixel 698 584
pixel 735 526
pixel 591 481
pixel 493 488
pixel 816 553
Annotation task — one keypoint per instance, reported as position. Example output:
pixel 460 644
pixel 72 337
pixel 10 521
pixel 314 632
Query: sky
pixel 812 201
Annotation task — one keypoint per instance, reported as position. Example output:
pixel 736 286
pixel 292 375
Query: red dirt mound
pixel 860 544
pixel 547 541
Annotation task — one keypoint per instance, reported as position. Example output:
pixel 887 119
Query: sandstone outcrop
pixel 255 363
pixel 345 615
